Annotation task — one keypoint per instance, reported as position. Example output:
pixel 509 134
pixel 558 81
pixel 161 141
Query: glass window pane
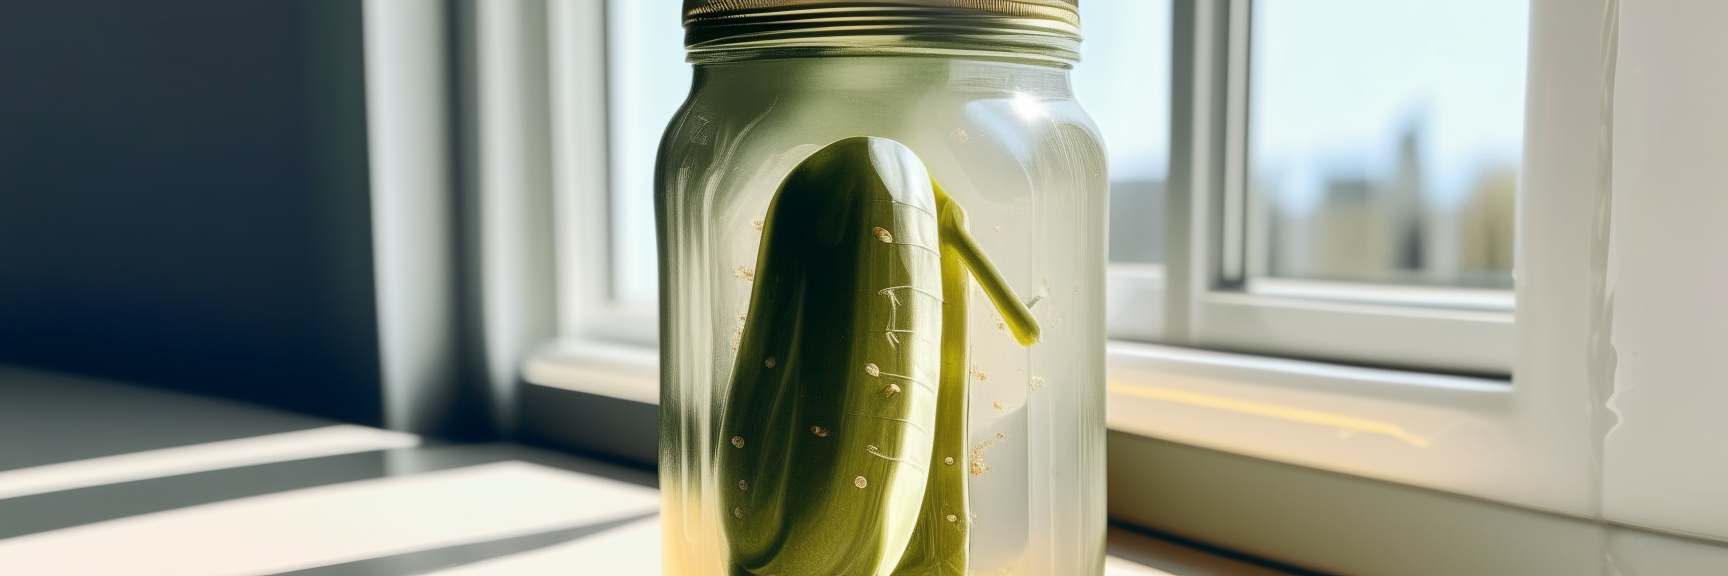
pixel 1123 81
pixel 1385 139
pixel 648 80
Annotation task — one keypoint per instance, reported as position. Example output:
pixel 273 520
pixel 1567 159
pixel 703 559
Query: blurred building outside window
pixel 1385 139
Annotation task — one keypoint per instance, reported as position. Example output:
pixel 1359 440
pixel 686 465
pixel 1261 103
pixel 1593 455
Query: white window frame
pixel 1527 443
pixel 1208 301
pixel 1503 461
pixel 580 117
pixel 604 347
pixel 1514 445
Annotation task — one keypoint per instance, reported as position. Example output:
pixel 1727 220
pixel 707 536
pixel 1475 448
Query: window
pixel 1338 184
pixel 647 81
pixel 1338 180
pixel 1123 80
pixel 1352 183
pixel 1227 287
pixel 1383 147
pixel 1124 83
pixel 618 77
pixel 1207 110
pixel 1207 126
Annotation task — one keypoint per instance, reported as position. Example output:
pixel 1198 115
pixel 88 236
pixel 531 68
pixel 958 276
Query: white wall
pixel 1665 457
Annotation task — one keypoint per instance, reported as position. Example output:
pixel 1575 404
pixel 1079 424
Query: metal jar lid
pixel 1042 31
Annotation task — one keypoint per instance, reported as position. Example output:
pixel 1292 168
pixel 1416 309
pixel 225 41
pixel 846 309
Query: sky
pixel 648 82
pixel 1335 82
pixel 1123 82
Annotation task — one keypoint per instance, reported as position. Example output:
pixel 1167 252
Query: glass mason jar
pixel 881 232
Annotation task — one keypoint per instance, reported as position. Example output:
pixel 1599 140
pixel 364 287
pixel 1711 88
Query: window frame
pixel 1485 450
pixel 1525 444
pixel 581 178
pixel 1524 441
pixel 604 347
pixel 1213 248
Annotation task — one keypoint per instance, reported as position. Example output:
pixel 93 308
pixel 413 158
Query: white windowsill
pixel 631 371
pixel 623 371
pixel 1408 427
pixel 1441 297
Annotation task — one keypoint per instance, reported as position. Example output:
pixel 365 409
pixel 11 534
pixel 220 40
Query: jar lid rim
pixel 1065 11
pixel 732 30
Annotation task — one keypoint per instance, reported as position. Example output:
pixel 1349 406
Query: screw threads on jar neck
pixel 1037 31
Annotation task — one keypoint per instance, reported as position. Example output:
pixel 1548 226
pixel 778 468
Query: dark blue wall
pixel 183 198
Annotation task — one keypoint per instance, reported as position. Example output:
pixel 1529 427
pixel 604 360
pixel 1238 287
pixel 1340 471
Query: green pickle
pixel 844 433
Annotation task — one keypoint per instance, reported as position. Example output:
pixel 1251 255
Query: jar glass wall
pixel 1006 141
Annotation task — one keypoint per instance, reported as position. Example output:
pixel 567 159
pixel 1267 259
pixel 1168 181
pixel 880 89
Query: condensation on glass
pixel 984 102
pixel 1385 140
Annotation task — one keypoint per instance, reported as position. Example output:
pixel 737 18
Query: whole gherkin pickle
pixel 839 454
pixel 826 429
